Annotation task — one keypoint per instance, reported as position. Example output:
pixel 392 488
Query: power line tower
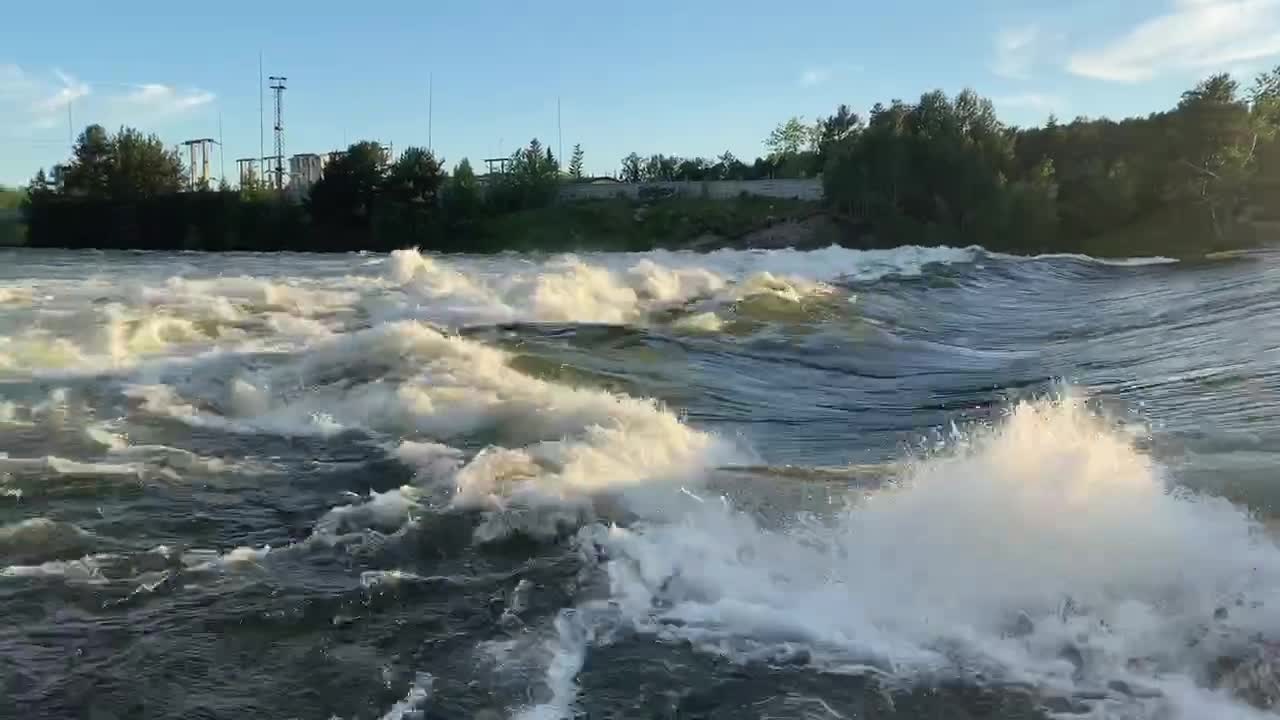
pixel 198 169
pixel 278 88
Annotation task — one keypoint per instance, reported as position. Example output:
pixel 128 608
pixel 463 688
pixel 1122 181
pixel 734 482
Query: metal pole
pixel 222 154
pixel 262 123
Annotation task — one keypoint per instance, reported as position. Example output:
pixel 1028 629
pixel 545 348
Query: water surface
pixel 913 483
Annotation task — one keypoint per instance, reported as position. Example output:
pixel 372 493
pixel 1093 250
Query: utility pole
pixel 262 122
pixel 559 133
pixel 431 95
pixel 71 133
pixel 222 154
pixel 278 87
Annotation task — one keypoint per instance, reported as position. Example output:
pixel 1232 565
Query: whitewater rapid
pixel 1042 549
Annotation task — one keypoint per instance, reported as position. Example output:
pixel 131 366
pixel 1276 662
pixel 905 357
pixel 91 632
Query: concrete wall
pixel 803 189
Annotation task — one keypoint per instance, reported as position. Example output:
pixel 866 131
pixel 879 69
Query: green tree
pixel 729 167
pixel 837 128
pixel 344 197
pixel 788 139
pixel 88 174
pixel 575 163
pixel 532 180
pixel 632 168
pixel 693 169
pixel 126 166
pixel 462 198
pixel 142 167
pixel 415 177
pixel 1216 140
pixel 659 168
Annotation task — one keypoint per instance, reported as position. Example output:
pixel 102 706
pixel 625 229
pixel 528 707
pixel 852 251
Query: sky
pixel 684 77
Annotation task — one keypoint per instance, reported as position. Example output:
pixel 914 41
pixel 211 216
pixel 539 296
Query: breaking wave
pixel 1043 551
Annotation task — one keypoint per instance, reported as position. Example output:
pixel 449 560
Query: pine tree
pixel 575 163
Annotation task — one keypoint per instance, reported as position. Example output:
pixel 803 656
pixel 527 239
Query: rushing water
pixel 917 483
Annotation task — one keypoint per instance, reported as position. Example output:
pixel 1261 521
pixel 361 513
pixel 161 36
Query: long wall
pixel 802 189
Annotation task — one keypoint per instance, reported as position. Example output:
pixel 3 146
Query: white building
pixel 305 170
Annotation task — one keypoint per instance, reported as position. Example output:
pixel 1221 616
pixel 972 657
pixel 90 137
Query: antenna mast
pixel 262 123
pixel 278 88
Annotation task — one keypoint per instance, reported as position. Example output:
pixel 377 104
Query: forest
pixel 941 170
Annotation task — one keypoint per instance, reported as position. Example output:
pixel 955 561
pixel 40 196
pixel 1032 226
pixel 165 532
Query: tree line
pixel 127 190
pixel 1196 177
pixel 939 170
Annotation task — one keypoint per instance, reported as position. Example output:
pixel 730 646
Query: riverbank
pixel 677 223
pixel 13 232
pixel 229 221
pixel 766 223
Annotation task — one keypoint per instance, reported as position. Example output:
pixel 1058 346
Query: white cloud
pixel 815 76
pixel 49 102
pixel 1193 35
pixel 155 101
pixel 1016 50
pixel 34 101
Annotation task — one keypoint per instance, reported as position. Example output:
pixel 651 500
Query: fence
pixel 798 188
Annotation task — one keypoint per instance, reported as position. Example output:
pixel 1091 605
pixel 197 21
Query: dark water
pixel 900 484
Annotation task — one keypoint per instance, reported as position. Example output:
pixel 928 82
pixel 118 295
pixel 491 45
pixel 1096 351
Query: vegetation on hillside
pixel 12 232
pixel 941 170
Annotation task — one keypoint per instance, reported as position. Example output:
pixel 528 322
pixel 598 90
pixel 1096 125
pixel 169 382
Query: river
pixel 911 483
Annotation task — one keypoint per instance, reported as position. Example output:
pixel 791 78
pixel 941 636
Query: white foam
pixel 419 693
pixel 239 558
pixel 707 322
pixel 592 289
pixel 54 465
pixel 11 295
pixel 562 657
pixel 1117 262
pixel 387 511
pixel 558 442
pixel 42 534
pixel 86 570
pixel 1050 517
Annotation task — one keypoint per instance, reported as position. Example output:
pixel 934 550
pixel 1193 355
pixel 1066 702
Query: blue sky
pixel 693 77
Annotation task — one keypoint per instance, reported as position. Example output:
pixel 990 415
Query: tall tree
pixel 88 173
pixel 415 177
pixel 632 168
pixel 659 168
pixel 532 180
pixel 729 167
pixel 575 163
pixel 143 167
pixel 1217 140
pixel 787 139
pixel 352 180
pixel 462 194
pixel 126 166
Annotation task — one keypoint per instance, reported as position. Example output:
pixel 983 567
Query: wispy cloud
pixel 818 75
pixel 157 101
pixel 815 76
pixel 1016 51
pixel 32 101
pixel 51 101
pixel 1191 35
